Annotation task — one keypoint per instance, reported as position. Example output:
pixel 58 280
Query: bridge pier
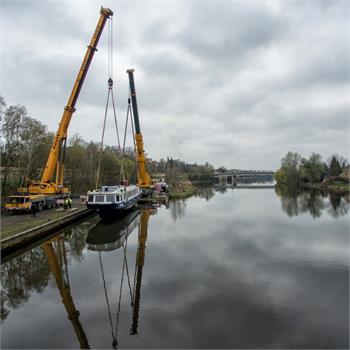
pixel 224 179
pixel 230 177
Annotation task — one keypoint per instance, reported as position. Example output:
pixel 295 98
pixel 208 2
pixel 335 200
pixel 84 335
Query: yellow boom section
pixel 144 180
pixel 54 156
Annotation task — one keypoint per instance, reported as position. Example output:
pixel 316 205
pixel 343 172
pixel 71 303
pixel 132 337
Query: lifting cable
pixel 134 142
pixel 121 151
pixel 128 114
pixel 122 173
pixel 109 95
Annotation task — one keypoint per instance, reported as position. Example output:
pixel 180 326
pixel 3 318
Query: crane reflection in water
pixel 104 236
pixel 55 251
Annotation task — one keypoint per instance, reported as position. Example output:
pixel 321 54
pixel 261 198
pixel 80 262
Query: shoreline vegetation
pixel 182 189
pixel 27 142
pixel 332 175
pixel 26 145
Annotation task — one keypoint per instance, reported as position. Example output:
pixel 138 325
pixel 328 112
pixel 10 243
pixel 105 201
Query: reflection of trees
pixel 311 202
pixel 76 240
pixel 205 192
pixel 30 272
pixel 177 208
pixel 289 199
pixel 338 206
pixel 295 202
pixel 220 189
pixel 20 276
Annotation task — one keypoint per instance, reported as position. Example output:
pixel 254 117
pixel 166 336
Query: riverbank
pixel 17 230
pixel 336 186
pixel 184 193
pixel 183 189
pixel 13 224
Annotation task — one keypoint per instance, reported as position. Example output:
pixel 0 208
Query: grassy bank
pixel 183 193
pixel 337 187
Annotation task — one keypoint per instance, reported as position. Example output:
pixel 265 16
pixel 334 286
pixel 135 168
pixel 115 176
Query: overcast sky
pixel 235 83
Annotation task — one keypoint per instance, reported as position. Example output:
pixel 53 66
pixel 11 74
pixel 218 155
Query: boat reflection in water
pixel 111 235
pixel 107 236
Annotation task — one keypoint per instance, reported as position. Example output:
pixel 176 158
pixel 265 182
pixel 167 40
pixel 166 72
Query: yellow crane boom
pixel 57 152
pixel 144 180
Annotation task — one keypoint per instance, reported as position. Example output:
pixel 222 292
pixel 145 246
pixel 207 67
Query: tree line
pixel 303 172
pixel 25 146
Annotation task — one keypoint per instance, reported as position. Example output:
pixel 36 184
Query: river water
pixel 241 268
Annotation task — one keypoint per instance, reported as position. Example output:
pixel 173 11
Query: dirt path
pixel 12 224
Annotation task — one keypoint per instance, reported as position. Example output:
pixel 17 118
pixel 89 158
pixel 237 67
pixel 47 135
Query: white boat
pixel 111 201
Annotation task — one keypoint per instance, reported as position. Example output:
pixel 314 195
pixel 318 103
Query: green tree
pixel 312 169
pixel 2 106
pixel 280 176
pixel 32 137
pixel 10 129
pixel 290 164
pixel 335 167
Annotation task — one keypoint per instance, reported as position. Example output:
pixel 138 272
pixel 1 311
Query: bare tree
pixel 10 129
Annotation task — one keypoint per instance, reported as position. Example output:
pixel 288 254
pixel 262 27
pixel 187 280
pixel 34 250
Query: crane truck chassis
pixel 20 204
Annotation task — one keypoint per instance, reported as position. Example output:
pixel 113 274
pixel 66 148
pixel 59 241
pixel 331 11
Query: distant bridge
pixel 230 177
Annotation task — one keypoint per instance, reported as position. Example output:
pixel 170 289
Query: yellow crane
pixel 45 192
pixel 144 180
pixel 57 152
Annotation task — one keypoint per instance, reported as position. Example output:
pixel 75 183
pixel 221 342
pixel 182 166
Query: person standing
pixel 70 202
pixel 33 210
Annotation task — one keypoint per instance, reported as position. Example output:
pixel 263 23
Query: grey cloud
pixel 218 81
pixel 226 31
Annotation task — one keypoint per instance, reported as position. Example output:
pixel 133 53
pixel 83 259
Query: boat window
pixel 99 198
pixel 91 198
pixel 117 198
pixel 109 198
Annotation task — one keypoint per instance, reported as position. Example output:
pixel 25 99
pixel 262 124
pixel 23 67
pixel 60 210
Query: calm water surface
pixel 242 268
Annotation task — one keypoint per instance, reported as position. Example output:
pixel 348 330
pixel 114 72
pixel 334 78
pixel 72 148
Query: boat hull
pixel 111 210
